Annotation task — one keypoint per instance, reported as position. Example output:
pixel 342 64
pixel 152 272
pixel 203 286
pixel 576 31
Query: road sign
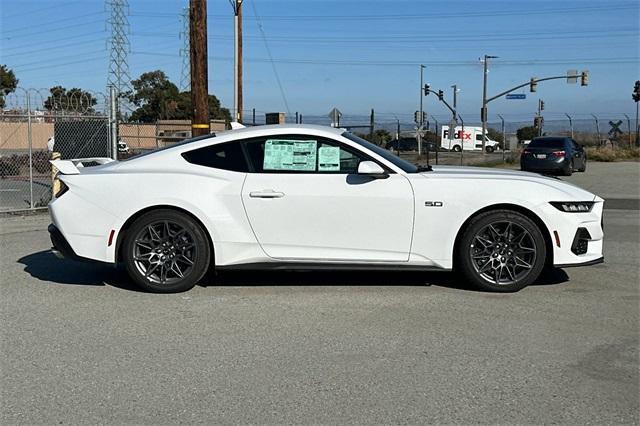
pixel 615 129
pixel 335 115
pixel 516 96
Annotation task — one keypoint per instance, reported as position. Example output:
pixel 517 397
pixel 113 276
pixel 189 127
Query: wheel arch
pixel 546 234
pixel 127 224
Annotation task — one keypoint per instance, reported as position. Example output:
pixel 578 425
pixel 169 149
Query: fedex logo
pixel 457 134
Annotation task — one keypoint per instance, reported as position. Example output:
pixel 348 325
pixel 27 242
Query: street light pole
pixel 570 123
pixel 483 111
pixel 420 123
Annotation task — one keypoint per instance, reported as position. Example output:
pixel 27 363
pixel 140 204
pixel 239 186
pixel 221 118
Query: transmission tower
pixel 119 47
pixel 185 75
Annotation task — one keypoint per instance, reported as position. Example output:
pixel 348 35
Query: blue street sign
pixel 517 96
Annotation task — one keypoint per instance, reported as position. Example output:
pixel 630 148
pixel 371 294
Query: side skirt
pixel 311 266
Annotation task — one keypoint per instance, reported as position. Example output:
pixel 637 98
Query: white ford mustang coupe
pixel 312 197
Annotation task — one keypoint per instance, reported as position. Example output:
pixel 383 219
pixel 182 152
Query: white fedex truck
pixel 470 140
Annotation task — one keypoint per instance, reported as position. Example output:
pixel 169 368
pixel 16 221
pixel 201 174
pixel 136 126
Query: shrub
pixel 608 154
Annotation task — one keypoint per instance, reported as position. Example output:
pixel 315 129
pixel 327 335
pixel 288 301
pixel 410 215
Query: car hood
pixel 479 173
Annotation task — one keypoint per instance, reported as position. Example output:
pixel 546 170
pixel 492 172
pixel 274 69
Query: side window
pixel 226 156
pixel 284 154
pixel 575 145
pixel 479 137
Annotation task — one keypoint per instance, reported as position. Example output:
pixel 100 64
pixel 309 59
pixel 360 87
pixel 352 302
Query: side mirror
pixel 372 169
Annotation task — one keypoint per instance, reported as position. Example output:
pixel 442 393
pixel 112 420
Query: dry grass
pixel 610 155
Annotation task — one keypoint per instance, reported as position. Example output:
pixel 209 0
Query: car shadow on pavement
pixel 356 278
pixel 45 266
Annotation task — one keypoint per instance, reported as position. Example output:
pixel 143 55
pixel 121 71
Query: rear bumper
pixel 61 247
pixel 535 165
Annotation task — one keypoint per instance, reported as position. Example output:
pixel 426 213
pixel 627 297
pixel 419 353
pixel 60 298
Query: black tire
pixel 489 149
pixel 501 267
pixel 584 166
pixel 456 148
pixel 568 171
pixel 166 251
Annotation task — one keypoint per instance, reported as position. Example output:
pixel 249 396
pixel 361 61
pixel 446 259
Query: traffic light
pixel 636 91
pixel 541 105
pixel 533 85
pixel 416 116
pixel 538 121
pixel 584 78
pixel 427 89
pixel 440 95
pixel 424 118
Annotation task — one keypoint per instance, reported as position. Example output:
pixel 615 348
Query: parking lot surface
pixel 79 344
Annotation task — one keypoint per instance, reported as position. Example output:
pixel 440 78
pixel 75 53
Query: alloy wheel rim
pixel 164 252
pixel 503 252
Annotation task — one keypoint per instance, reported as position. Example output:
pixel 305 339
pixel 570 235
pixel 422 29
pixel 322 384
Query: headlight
pixel 573 206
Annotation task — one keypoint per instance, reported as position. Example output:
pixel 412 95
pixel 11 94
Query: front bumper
pixel 577 238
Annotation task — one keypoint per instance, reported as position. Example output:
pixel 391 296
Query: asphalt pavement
pixel 79 344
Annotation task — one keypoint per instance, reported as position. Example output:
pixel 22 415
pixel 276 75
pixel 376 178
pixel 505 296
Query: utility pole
pixel 119 48
pixel 570 123
pixel 420 121
pixel 483 111
pixel 237 87
pixel 199 75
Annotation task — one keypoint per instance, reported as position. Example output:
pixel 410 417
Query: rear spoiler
pixel 73 166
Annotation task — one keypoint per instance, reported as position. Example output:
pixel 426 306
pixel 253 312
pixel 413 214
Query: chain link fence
pixel 35 126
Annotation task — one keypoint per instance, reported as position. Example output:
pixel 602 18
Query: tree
pixel 157 98
pixel 379 137
pixel 71 100
pixel 8 83
pixel 495 135
pixel 527 133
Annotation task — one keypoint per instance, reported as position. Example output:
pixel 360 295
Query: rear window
pixel 226 156
pixel 547 143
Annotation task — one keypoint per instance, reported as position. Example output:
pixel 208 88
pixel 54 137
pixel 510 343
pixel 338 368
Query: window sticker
pixel 290 155
pixel 329 159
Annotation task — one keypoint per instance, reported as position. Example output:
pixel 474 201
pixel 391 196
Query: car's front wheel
pixel 166 251
pixel 502 251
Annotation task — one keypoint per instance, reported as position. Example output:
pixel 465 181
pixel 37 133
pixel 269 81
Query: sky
pixel 351 54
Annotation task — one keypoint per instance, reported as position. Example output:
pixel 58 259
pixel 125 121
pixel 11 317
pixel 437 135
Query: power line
pixel 40 26
pixel 273 65
pixel 403 17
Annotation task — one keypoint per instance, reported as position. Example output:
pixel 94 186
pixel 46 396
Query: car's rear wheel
pixel 489 149
pixel 584 166
pixel 502 251
pixel 166 251
pixel 457 148
pixel 568 170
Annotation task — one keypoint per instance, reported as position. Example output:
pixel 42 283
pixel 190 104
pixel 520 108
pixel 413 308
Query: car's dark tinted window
pixel 404 165
pixel 547 143
pixel 226 156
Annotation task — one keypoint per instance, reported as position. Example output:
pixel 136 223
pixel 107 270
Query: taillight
pixel 558 153
pixel 526 151
pixel 63 188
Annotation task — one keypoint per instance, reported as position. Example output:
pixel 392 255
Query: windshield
pixel 387 155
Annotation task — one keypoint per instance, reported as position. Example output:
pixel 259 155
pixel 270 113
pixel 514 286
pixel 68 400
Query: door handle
pixel 266 193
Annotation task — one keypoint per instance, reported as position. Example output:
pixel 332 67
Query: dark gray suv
pixel 554 154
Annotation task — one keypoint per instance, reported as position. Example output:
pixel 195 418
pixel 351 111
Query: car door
pixel 305 201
